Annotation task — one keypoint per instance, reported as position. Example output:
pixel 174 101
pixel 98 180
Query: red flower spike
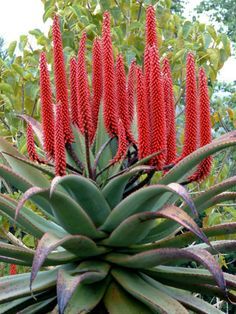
pixel 60 79
pixel 96 80
pixel 60 155
pixel 83 91
pixel 147 68
pixel 170 113
pixel 204 167
pixel 144 135
pixel 151 35
pixel 191 111
pixel 131 90
pixel 33 155
pixel 122 97
pixel 109 102
pixel 12 270
pixel 74 94
pixel 122 144
pixel 157 106
pixel 46 108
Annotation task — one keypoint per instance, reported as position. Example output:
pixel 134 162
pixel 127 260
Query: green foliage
pixel 222 12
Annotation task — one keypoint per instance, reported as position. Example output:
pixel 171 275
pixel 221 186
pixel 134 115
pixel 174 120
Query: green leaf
pixel 188 275
pixel 18 69
pixel 86 297
pixel 181 170
pixel 27 219
pixel 78 245
pixel 68 218
pixel 67 284
pixel 155 299
pixel 187 27
pixel 114 190
pixel 118 301
pixel 190 301
pixel 146 199
pixel 45 280
pixel 11 48
pixel 7 88
pixel 135 228
pixel 86 194
pixel 9 250
pixel 44 306
pixel 187 238
pixel 161 256
pixel 34 176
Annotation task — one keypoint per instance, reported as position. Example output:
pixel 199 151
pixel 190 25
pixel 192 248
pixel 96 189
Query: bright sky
pixel 17 17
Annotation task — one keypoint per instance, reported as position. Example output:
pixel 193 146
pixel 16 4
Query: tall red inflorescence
pixel 131 84
pixel 122 144
pixel 97 78
pixel 60 79
pixel 47 113
pixel 12 270
pixel 151 35
pixel 204 168
pixel 74 94
pixel 110 111
pixel 33 155
pixel 191 110
pixel 147 70
pixel 157 106
pixel 170 113
pixel 144 136
pixel 122 97
pixel 60 154
pixel 83 91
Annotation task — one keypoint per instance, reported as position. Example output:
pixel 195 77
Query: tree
pixel 223 12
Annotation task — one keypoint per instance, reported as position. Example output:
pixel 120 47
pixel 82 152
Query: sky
pixel 17 17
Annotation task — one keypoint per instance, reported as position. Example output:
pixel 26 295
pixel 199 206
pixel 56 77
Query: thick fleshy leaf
pixel 14 179
pixel 215 190
pixel 34 176
pixel 67 284
pixel 42 167
pixel 201 203
pixel 162 256
pixel 36 126
pixel 79 147
pixel 191 302
pixel 66 211
pixel 222 197
pixel 27 219
pixel 11 260
pixel 188 275
pixel 17 252
pixel 79 245
pixel 93 266
pixel 135 228
pixel 114 190
pixel 86 194
pixel 182 169
pixel 155 299
pixel 118 301
pixel 188 238
pixel 222 246
pixel 13 305
pixel 45 306
pixel 13 287
pixel 86 297
pixel 146 199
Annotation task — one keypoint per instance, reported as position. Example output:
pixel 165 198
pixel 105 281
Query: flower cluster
pixel 143 96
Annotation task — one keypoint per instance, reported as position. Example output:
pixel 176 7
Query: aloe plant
pixel 108 240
